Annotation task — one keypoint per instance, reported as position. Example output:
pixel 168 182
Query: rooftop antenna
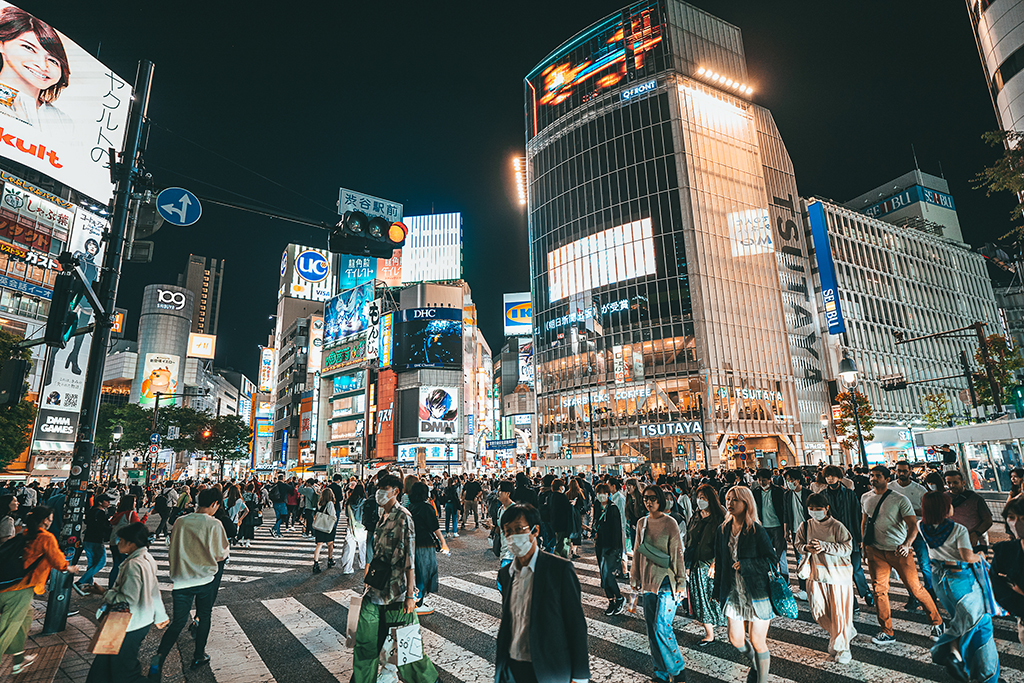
pixel 942 173
pixel 914 152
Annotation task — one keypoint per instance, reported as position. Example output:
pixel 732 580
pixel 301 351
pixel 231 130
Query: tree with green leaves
pixel 15 421
pixel 228 440
pixel 936 410
pixel 1006 362
pixel 845 427
pixel 1006 175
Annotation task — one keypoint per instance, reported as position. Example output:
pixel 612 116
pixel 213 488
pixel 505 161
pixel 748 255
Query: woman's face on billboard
pixel 26 59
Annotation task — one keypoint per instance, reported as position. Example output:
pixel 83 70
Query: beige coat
pixel 832 565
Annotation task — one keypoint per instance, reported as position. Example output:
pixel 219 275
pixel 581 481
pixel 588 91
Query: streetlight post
pixel 848 372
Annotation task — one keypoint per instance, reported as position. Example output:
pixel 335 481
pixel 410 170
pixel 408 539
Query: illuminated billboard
pixel 623 48
pixel 624 252
pixel 316 344
pixel 347 314
pixel 518 314
pixel 439 413
pixel 266 376
pixel 428 338
pixel 308 273
pixel 433 248
pixel 386 339
pixel 201 345
pixel 526 361
pixel 60 108
pixel 436 453
pixel 750 232
pixel 159 376
pixel 355 270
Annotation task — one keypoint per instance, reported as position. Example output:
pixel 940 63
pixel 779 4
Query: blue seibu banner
pixel 826 269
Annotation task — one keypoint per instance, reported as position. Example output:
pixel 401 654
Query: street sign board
pixel 178 206
pixel 154 449
pixel 173 432
pixel 154 438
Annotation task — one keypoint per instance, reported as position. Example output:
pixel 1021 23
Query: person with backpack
pixel 137 587
pixel 25 564
pixel 294 501
pixel 278 495
pixel 8 518
pixel 452 505
pixel 97 532
pixel 124 516
pixel 251 520
pixel 184 504
pixel 162 507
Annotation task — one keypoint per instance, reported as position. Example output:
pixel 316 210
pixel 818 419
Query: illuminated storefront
pixel 670 284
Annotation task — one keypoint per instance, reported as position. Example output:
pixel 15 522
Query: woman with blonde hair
pixel 744 559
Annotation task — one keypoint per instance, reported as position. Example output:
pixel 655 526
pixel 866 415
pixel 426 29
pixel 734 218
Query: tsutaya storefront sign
pixel 671 429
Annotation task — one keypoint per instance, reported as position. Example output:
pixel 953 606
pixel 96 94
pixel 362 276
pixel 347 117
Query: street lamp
pixel 848 373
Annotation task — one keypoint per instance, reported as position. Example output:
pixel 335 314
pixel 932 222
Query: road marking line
pixel 315 634
pixel 234 659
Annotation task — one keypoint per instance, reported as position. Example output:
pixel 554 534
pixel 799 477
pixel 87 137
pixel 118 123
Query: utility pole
pixel 993 384
pixel 970 384
pixel 126 173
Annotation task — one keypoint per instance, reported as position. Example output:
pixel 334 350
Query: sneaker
pixel 883 639
pixel 801 595
pixel 455 535
pixel 620 606
pixel 856 607
pixel 912 604
pixel 937 631
pixel 18 668
pixel 424 609
pixel 79 589
pixel 844 657
pixel 316 567
pixel 613 607
pixel 330 562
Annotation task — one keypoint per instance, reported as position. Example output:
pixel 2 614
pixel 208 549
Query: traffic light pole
pixel 125 174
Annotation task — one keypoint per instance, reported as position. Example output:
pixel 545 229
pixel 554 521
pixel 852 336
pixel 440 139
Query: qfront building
pixel 672 304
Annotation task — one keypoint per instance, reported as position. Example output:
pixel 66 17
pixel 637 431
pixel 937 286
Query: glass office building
pixel 672 301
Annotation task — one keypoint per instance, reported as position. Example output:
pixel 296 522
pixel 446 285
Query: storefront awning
pixel 1002 430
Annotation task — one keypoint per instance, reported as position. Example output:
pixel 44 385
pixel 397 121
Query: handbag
pixel 110 631
pixel 869 524
pixel 651 553
pixel 324 521
pixel 781 595
pixel 378 573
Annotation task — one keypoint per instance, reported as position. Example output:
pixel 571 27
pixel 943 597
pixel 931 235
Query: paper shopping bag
pixel 110 633
pixel 410 644
pixel 354 606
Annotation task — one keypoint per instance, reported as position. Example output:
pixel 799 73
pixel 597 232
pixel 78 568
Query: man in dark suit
pixel 543 633
pixel 771 510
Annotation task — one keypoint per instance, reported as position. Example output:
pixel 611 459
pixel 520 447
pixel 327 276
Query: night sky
pixel 422 103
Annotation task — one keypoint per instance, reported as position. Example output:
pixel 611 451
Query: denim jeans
pixel 859 580
pixel 610 560
pixel 971 626
pixel 659 610
pixel 281 510
pixel 181 601
pixel 96 554
pixel 923 563
pixel 451 520
pixel 115 566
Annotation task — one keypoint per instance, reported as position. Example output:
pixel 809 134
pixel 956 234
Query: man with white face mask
pixel 543 632
pixel 391 587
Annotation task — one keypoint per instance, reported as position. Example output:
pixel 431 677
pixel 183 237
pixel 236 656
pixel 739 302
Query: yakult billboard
pixel 60 108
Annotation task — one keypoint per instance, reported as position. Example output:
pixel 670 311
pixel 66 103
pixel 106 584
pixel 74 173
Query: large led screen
pixel 347 314
pixel 428 338
pixel 616 51
pixel 613 255
pixel 60 108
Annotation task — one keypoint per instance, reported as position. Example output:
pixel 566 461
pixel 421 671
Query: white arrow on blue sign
pixel 178 206
pixel 154 438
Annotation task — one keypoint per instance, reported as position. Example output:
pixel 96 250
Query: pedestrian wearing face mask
pixel 827 545
pixel 699 555
pixel 914 492
pixel 844 506
pixel 772 510
pixel 796 514
pixel 609 538
pixel 542 637
pixel 1007 571
pixel 393 599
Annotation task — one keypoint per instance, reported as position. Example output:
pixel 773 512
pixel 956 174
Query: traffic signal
pixel 358 235
pixel 68 292
pixel 893 382
pixel 12 381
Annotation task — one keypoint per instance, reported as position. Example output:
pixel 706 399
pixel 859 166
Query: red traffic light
pixel 398 232
pixel 206 433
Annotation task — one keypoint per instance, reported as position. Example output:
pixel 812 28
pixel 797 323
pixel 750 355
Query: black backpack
pixel 275 494
pixel 12 561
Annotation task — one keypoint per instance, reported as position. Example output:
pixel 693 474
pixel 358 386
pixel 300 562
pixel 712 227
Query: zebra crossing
pixel 267 555
pixel 459 636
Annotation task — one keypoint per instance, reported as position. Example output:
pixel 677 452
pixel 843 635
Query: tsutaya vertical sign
pixel 826 269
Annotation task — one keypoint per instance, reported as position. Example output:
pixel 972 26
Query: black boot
pixel 316 567
pixel 330 562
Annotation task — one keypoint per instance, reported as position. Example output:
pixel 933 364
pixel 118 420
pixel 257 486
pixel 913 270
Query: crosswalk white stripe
pixel 455 660
pixel 699 662
pixel 236 659
pixel 225 578
pixel 315 634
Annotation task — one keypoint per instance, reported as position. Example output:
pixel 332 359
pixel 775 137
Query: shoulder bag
pixel 781 595
pixel 869 525
pixel 652 553
pixel 324 520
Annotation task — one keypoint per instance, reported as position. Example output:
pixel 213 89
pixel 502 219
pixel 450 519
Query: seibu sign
pixel 671 429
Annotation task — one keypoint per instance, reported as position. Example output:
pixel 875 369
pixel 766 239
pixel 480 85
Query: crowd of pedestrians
pixel 711 546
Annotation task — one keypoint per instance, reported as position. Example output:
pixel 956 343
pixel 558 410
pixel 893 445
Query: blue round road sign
pixel 178 206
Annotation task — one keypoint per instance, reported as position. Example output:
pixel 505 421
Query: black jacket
pixel 756 557
pixel 607 529
pixel 560 513
pixel 844 505
pixel 779 501
pixel 1008 571
pixel 526 495
pixel 699 543
pixel 558 628
pixel 97 525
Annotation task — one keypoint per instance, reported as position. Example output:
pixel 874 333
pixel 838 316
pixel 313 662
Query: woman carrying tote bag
pixel 325 528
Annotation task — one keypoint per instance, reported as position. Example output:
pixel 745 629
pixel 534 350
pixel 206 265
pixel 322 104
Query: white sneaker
pixel 455 535
pixel 424 609
pixel 17 668
pixel 844 657
pixel 801 595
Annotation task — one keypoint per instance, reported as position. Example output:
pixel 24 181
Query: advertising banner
pixel 305 418
pixel 373 330
pixel 433 248
pixel 160 375
pixel 386 383
pixel 526 361
pixel 826 269
pixel 750 232
pixel 308 273
pixel 201 345
pixel 316 344
pixel 518 314
pixel 347 314
pixel 439 413
pixel 60 108
pixel 625 252
pixel 390 270
pixel 349 353
pixel 386 339
pixel 429 338
pixel 65 372
pixel 356 270
pixel 266 376
pixel 433 453
pixel 264 443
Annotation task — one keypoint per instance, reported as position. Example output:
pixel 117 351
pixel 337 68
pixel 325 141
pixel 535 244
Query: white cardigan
pixel 136 584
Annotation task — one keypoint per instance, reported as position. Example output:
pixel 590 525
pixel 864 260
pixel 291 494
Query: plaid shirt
pixel 394 539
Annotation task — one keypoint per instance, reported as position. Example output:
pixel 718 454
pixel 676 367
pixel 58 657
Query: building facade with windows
pixel 999 31
pixel 671 289
pixel 892 279
pixel 204 277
